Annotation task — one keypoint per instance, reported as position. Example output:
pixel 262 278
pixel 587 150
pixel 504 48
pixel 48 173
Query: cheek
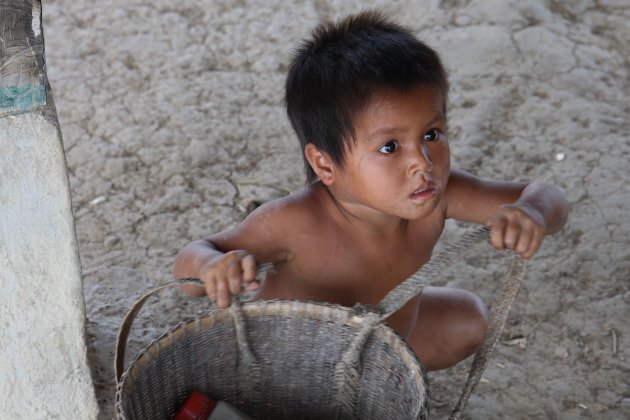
pixel 447 161
pixel 378 175
pixel 443 157
pixel 371 167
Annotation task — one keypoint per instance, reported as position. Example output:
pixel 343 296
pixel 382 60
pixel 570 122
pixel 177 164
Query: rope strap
pixel 347 372
pixel 497 322
pixel 130 316
pixel 413 286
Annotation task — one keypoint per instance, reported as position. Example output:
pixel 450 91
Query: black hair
pixel 336 72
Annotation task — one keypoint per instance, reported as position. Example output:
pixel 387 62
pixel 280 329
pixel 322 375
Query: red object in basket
pixel 196 407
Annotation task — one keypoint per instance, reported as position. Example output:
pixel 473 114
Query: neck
pixel 359 219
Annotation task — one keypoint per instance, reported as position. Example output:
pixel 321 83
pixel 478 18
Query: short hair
pixel 336 72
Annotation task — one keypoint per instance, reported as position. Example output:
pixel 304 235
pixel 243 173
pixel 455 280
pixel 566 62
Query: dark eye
pixel 389 147
pixel 432 135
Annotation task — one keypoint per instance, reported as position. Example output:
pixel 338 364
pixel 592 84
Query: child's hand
pixel 519 227
pixel 227 274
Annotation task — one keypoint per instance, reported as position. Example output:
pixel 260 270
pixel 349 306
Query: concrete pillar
pixel 43 365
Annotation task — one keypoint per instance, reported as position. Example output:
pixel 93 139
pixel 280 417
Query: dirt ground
pixel 173 120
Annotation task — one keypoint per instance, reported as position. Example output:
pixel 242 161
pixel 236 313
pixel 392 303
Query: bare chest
pixel 344 271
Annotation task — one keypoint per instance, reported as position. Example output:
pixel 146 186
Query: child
pixel 368 103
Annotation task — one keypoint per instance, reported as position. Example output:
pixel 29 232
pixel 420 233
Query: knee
pixel 451 326
pixel 474 322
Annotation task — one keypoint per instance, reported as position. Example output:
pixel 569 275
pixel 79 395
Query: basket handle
pixel 498 317
pixel 125 327
pixel 413 286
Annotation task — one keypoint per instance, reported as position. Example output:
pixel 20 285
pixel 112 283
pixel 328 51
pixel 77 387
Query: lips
pixel 424 192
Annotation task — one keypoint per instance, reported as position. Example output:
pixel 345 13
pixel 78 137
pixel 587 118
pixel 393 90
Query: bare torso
pixel 331 260
pixel 344 250
pixel 356 242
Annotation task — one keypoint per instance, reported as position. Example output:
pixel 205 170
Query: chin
pixel 419 213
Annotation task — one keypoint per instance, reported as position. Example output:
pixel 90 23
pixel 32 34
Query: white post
pixel 43 365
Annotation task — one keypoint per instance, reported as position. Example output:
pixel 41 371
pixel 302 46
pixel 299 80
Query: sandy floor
pixel 173 120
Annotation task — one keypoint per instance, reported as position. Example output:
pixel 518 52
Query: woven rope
pixel 414 285
pixel 410 288
pixel 497 322
pixel 348 377
pixel 348 371
pixel 125 327
pixel 249 371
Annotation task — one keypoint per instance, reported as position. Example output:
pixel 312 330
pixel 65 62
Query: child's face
pixel 400 162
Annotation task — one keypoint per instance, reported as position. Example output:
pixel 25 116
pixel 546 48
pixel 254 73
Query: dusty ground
pixel 173 119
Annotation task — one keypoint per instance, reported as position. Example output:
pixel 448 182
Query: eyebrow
pixel 439 117
pixel 382 132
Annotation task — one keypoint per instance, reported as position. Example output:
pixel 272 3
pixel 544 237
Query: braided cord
pixel 414 285
pixel 497 322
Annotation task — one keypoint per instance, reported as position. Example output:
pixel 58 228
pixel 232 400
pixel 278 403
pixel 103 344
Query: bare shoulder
pixel 473 199
pixel 293 210
pixel 269 230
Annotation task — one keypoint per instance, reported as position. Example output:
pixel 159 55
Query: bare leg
pixel 450 326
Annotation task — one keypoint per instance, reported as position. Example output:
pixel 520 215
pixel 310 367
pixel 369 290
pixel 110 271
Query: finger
pixel 211 288
pixel 248 265
pixel 235 277
pixel 253 285
pixel 511 235
pixel 193 290
pixel 524 241
pixel 497 227
pixel 223 294
pixel 534 244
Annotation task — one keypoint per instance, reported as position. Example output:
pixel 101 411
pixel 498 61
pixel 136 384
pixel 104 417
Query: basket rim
pixel 280 308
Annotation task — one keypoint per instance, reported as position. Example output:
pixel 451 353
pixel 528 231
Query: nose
pixel 420 161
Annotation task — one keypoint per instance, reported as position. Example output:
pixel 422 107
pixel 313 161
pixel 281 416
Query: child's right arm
pixel 222 273
pixel 226 262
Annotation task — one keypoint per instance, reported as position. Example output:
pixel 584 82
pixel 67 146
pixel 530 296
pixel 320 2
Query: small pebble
pixel 98 200
pixel 560 157
pixel 561 353
pixel 111 241
pixel 521 342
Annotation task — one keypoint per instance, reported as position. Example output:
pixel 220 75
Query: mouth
pixel 424 192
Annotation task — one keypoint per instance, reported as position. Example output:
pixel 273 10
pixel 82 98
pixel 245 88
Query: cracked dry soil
pixel 173 120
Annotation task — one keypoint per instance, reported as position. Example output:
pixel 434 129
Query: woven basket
pixel 283 360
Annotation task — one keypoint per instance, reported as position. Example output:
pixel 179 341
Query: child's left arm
pixel 519 215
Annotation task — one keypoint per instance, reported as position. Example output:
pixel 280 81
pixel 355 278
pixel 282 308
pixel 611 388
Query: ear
pixel 322 164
